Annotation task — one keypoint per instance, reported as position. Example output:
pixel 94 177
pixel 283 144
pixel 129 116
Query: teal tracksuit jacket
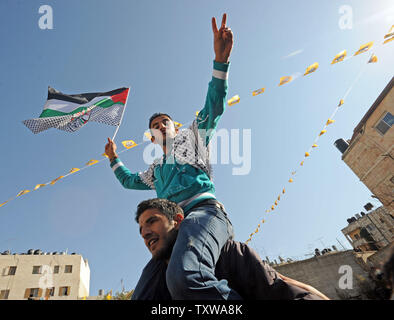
pixel 184 174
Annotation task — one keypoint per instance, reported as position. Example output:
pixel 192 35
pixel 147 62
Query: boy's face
pixel 163 129
pixel 158 232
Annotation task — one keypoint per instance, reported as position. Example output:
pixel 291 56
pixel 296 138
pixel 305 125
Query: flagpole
pixel 121 118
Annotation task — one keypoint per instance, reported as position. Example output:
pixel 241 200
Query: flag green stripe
pixel 105 103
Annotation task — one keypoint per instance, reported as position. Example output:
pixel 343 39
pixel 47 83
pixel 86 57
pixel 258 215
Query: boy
pixel 183 175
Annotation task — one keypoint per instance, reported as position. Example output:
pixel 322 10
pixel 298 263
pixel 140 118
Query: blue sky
pixel 163 51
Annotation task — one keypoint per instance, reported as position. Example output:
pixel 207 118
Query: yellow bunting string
pixel 234 100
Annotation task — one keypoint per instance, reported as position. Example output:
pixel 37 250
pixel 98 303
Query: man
pixel 183 175
pixel 159 221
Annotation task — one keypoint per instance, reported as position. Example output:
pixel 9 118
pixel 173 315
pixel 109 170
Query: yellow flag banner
pixel 128 144
pixel 311 68
pixel 339 57
pixel 364 48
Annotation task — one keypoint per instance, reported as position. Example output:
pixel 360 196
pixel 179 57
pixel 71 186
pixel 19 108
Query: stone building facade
pixel 38 275
pixel 371 231
pixel 338 274
pixel 370 151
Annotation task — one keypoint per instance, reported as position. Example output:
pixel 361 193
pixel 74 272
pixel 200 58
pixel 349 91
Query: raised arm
pixel 215 101
pixel 127 179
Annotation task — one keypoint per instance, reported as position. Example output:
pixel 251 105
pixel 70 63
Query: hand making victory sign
pixel 222 40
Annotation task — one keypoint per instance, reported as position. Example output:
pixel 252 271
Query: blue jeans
pixel 191 269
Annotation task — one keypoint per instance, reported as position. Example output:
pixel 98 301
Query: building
pixel 370 151
pixel 337 274
pixel 41 275
pixel 371 231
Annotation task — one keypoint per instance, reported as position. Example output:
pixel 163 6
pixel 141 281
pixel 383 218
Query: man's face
pixel 158 232
pixel 163 129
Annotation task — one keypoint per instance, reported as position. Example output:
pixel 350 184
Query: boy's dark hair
pixel 168 208
pixel 158 114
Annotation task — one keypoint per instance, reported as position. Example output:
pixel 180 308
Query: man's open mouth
pixel 152 242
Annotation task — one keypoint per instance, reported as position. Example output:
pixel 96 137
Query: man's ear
pixel 178 219
pixel 152 139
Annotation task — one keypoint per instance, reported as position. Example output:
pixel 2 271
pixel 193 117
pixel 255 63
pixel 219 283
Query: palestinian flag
pixel 71 112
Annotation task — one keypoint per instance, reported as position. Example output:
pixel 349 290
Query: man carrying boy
pixel 183 175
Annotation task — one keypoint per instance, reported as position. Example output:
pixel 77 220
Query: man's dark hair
pixel 168 208
pixel 158 114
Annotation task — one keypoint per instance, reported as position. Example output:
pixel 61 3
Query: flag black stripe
pixel 82 98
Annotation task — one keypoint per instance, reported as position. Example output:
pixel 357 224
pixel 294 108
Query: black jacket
pixel 240 265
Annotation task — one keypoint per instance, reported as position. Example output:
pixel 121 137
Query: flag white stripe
pixel 66 107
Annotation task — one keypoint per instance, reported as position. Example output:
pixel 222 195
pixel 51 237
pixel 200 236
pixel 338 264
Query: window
pixel 370 227
pixel 56 269
pixel 385 124
pixel 11 271
pixel 4 294
pixel 64 291
pixel 50 292
pixel 68 269
pixel 36 269
pixel 356 236
pixel 382 220
pixel 33 292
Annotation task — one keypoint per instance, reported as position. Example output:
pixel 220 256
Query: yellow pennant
pixel 234 100
pixel 322 132
pixel 263 221
pixel 283 191
pixel 293 173
pixel 285 80
pixel 373 59
pixel 329 121
pixel 306 154
pixel 105 155
pixel 128 144
pixel 74 170
pixel 177 125
pixel 272 208
pixel 388 40
pixel 341 102
pixel 311 68
pixel 276 202
pixel 38 186
pixel 364 48
pixel 2 204
pixel 56 180
pixel 148 135
pixel 91 162
pixel 22 193
pixel 314 145
pixel 197 112
pixel 339 57
pixel 279 197
pixel 390 33
pixel 290 180
pixel 302 163
pixel 258 91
